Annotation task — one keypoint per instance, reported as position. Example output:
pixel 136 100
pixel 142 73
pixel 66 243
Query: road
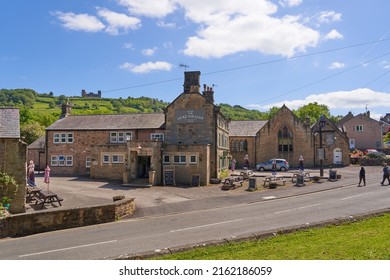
pixel 146 234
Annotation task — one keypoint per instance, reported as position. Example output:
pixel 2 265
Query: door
pixel 143 166
pixel 337 156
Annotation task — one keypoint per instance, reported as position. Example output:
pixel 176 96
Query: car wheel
pixel 283 168
pixel 261 169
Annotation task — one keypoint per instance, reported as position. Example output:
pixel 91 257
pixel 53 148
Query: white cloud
pixel 79 22
pixel 346 100
pixel 334 34
pixel 128 46
pixel 385 64
pixel 118 22
pixel 336 65
pixel 147 67
pixel 328 17
pixel 149 52
pixel 290 3
pixel 150 8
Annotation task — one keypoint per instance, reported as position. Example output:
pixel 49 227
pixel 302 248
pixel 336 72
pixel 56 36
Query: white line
pixel 299 208
pixel 202 226
pixel 269 197
pixel 353 196
pixel 69 248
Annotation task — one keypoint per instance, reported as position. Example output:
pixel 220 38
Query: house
pixel 13 154
pixel 286 136
pixel 36 153
pixel 363 131
pixel 187 144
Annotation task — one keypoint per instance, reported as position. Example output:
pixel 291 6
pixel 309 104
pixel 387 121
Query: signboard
pixel 169 177
pixel 195 180
pixel 321 153
pixel 190 116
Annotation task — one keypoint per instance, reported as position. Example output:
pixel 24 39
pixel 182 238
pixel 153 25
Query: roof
pixel 110 122
pixel 245 128
pixel 9 123
pixel 38 144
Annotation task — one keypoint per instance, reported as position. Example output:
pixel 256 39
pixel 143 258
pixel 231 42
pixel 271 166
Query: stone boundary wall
pixel 373 161
pixel 44 221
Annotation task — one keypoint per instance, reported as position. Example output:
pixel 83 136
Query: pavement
pixel 162 200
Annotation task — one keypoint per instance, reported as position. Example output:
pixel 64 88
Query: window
pixel 359 128
pixel 63 138
pixel 285 143
pixel 166 159
pixel 88 162
pixel 193 159
pixel 157 136
pixel 120 136
pixel 118 159
pixel 106 159
pixel 61 160
pixel 179 159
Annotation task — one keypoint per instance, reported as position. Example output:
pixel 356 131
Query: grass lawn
pixel 363 240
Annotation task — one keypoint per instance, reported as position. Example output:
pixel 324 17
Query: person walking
pixel 362 176
pixel 301 163
pixel 386 174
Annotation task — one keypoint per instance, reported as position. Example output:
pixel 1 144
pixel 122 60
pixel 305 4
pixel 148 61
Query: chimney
pixel 66 109
pixel 191 81
pixel 208 93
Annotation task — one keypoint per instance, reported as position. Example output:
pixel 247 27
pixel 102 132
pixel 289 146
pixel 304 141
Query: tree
pixel 313 111
pixel 31 131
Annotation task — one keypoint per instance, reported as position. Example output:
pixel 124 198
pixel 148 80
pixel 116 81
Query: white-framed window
pixel 179 159
pixel 157 136
pixel 359 128
pixel 63 138
pixel 106 158
pixel 118 158
pixel 87 161
pixel 167 159
pixel 193 159
pixel 120 136
pixel 61 160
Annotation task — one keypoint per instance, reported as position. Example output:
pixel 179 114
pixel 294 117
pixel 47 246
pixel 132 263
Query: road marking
pixel 69 248
pixel 207 225
pixel 299 208
pixel 269 197
pixel 353 196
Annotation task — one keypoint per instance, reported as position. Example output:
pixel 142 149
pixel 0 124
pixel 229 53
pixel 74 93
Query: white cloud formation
pixel 328 17
pixel 79 22
pixel 332 35
pixel 147 67
pixel 336 65
pixel 149 52
pixel 150 8
pixel 290 3
pixel 347 100
pixel 118 22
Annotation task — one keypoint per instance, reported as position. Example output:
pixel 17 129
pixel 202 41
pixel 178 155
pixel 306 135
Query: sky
pixel 254 53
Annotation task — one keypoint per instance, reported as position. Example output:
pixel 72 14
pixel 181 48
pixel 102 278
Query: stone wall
pixel 13 153
pixel 44 221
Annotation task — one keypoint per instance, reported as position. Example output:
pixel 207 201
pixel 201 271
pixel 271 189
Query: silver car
pixel 281 164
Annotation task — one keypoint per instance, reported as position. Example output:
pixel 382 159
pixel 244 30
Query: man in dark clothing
pixel 362 176
pixel 385 174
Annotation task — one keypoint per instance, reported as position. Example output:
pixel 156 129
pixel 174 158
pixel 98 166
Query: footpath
pixel 163 200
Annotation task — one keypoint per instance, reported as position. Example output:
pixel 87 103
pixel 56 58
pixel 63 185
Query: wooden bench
pixel 47 197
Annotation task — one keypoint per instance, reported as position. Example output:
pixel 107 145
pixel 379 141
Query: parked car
pixel 281 164
pixel 375 153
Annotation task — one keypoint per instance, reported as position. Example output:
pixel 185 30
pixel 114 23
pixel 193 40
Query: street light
pixel 321 152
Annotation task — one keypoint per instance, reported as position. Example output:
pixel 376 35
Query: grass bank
pixel 362 240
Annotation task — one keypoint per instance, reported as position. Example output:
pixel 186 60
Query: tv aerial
pixel 184 66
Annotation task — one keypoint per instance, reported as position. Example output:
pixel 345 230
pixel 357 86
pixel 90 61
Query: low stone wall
pixel 43 221
pixel 373 161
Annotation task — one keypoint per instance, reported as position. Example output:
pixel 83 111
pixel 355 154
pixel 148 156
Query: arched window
pixel 285 140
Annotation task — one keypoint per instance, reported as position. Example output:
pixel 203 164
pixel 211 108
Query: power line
pixel 254 64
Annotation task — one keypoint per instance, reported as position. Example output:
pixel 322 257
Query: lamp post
pixel 321 152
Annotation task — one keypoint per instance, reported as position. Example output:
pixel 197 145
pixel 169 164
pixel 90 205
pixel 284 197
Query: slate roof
pixel 110 122
pixel 38 144
pixel 245 128
pixel 9 123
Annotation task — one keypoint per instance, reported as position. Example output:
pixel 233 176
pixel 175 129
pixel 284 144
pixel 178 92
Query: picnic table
pixel 232 183
pixel 246 174
pixel 272 181
pixel 306 176
pixel 47 197
pixel 32 192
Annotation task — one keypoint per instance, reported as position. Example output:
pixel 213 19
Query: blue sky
pixel 256 53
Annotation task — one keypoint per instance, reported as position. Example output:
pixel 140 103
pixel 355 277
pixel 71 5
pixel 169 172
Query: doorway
pixel 337 156
pixel 143 166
